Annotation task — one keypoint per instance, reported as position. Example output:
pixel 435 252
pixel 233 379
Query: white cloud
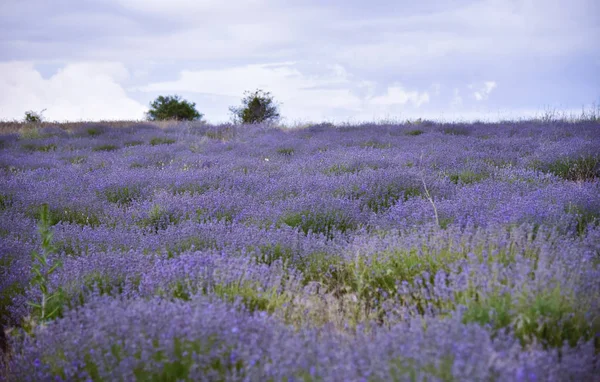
pixel 456 98
pixel 79 91
pixel 483 91
pixel 396 95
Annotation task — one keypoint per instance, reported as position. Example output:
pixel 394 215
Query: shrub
pixel 257 107
pixel 33 117
pixel 172 107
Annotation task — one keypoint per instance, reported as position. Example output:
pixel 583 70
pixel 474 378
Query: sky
pixel 322 61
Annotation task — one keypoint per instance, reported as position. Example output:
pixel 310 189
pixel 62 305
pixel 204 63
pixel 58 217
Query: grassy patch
pixel 340 169
pixel 286 151
pixel 549 316
pixel 94 131
pixel 194 242
pixel 383 198
pixel 122 195
pixel 158 219
pixel 133 143
pixel 326 223
pixel 106 148
pixel 467 177
pixel 41 148
pixel 414 132
pixel 83 217
pixel 161 141
pixel 5 201
pixel 579 169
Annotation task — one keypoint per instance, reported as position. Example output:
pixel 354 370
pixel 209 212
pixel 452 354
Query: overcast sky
pixel 322 60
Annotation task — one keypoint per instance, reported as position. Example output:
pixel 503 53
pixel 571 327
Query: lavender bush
pixel 417 251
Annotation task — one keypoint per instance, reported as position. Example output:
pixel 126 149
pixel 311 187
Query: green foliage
pixel 5 201
pixel 172 107
pixel 407 369
pixel 550 316
pixel 586 167
pixel 466 177
pixel 326 223
pixel 42 269
pixel 42 148
pixel 384 197
pixel 161 141
pixel 194 242
pixel 69 215
pixel 286 151
pixel 253 298
pixel 158 219
pixel 33 117
pixel 584 217
pixel 122 195
pixel 414 132
pixel 269 254
pixel 94 131
pixel 106 147
pixel 258 107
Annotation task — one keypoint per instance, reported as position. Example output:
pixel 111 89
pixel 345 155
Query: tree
pixel 257 107
pixel 172 107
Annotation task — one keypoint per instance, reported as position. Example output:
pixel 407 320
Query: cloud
pixel 79 91
pixel 483 91
pixel 456 98
pixel 396 95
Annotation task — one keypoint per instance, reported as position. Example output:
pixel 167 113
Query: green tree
pixel 172 107
pixel 257 107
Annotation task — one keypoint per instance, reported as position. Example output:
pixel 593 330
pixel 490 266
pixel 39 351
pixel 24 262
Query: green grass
pixel 286 151
pixel 158 219
pixel 414 132
pixel 122 195
pixel 550 316
pixel 194 242
pixel 5 201
pixel 161 141
pixel 341 169
pixel 326 223
pixel 94 131
pixel 583 168
pixel 467 177
pixel 83 217
pixel 41 148
pixel 106 147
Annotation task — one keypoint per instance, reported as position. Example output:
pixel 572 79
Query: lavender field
pixel 400 252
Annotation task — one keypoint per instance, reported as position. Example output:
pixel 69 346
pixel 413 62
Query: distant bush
pixel 172 107
pixel 257 107
pixel 33 117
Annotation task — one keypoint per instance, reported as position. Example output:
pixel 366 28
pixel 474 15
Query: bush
pixel 257 107
pixel 172 107
pixel 33 117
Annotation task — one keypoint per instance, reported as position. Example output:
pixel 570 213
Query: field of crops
pixel 378 252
